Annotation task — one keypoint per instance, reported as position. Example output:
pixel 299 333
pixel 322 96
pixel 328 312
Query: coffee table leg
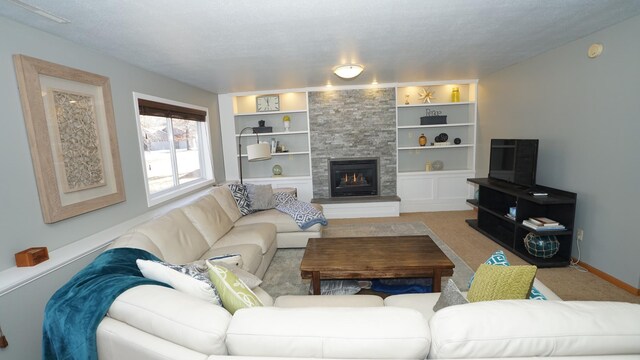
pixel 315 282
pixel 437 280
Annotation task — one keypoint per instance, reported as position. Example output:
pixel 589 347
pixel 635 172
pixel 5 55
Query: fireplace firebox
pixel 353 177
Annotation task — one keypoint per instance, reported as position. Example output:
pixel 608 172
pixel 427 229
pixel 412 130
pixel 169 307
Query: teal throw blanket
pixel 73 313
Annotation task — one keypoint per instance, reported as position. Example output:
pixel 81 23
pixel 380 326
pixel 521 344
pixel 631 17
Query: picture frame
pixel 68 114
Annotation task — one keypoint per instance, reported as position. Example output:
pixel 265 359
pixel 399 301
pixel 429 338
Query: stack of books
pixel 543 224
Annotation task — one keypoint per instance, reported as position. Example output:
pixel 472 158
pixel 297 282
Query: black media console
pixel 494 201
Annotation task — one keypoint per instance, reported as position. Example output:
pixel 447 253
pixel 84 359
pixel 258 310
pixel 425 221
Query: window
pixel 174 142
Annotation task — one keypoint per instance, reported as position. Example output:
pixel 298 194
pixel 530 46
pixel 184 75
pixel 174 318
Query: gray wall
pixel 21 223
pixel 586 114
pixel 353 123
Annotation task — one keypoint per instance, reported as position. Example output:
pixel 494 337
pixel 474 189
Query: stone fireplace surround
pixel 358 123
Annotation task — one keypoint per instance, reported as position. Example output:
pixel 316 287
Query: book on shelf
pixel 509 216
pixel 535 227
pixel 543 221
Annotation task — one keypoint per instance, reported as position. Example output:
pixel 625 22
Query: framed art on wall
pixel 70 123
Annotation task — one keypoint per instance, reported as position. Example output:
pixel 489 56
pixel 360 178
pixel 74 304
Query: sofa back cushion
pixel 225 199
pixel 173 316
pixel 209 218
pixel 176 237
pixel 138 241
pixel 329 332
pixel 526 328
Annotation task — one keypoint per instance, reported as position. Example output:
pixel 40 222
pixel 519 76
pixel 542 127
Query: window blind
pixel 153 108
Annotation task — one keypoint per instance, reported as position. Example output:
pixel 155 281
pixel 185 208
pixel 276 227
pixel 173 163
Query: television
pixel 514 161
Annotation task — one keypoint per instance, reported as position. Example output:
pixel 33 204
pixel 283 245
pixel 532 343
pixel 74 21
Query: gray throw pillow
pixel 260 196
pixel 450 295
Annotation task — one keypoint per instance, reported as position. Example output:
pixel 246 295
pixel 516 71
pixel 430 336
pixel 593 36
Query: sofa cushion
pixel 176 237
pixel 495 282
pixel 298 301
pixel 283 222
pixel 226 201
pixel 263 235
pixel 522 328
pixel 329 332
pixel 137 241
pixel 188 279
pixel 174 316
pixel 251 255
pixel 260 196
pixel 423 303
pixel 209 218
pixel 235 294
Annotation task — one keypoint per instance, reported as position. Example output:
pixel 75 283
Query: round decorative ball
pixel 444 136
pixel 276 170
pixel 457 141
pixel 543 246
pixel 437 165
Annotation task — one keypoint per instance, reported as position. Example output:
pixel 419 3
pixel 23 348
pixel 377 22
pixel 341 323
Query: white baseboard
pixel 361 210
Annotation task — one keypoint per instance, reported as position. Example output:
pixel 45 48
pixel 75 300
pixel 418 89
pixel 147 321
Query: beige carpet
pixel 474 248
pixel 283 275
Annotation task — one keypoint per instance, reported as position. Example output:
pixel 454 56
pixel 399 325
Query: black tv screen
pixel 514 161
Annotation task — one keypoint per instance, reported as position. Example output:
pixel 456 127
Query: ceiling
pixel 246 45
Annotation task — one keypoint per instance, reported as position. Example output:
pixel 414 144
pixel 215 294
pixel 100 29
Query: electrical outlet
pixel 580 234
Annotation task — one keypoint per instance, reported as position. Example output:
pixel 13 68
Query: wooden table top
pixel 375 257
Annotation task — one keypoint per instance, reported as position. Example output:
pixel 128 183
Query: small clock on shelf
pixel 268 103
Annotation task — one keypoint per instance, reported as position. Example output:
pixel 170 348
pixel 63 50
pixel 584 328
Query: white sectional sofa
pixel 153 322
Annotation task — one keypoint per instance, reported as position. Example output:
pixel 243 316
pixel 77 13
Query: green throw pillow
pixel 233 292
pixel 495 282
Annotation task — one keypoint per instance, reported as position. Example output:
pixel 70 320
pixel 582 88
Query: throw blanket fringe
pixel 303 213
pixel 73 313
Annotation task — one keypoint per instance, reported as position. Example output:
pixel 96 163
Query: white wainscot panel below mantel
pixel 434 191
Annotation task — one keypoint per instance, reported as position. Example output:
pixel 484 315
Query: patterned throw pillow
pixel 450 295
pixel 240 195
pixel 496 282
pixel 190 279
pixel 499 258
pixel 234 293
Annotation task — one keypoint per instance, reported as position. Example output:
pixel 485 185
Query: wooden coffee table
pixel 374 258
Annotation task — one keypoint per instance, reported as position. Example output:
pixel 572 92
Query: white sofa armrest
pixel 174 316
pixel 524 328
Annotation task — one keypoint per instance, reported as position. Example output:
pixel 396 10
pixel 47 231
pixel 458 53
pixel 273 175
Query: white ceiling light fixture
pixel 348 71
pixel 40 11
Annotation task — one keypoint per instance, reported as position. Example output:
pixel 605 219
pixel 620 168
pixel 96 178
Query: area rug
pixel 283 275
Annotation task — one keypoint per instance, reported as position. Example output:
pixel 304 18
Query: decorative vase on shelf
pixel 455 94
pixel 276 170
pixel 286 120
pixel 422 140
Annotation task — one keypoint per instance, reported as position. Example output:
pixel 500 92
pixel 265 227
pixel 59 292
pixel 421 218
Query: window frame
pixel 206 163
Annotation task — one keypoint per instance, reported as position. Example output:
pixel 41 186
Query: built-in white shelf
pixel 433 126
pixel 272 112
pixel 438 104
pixel 274 133
pixel 286 153
pixel 429 147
